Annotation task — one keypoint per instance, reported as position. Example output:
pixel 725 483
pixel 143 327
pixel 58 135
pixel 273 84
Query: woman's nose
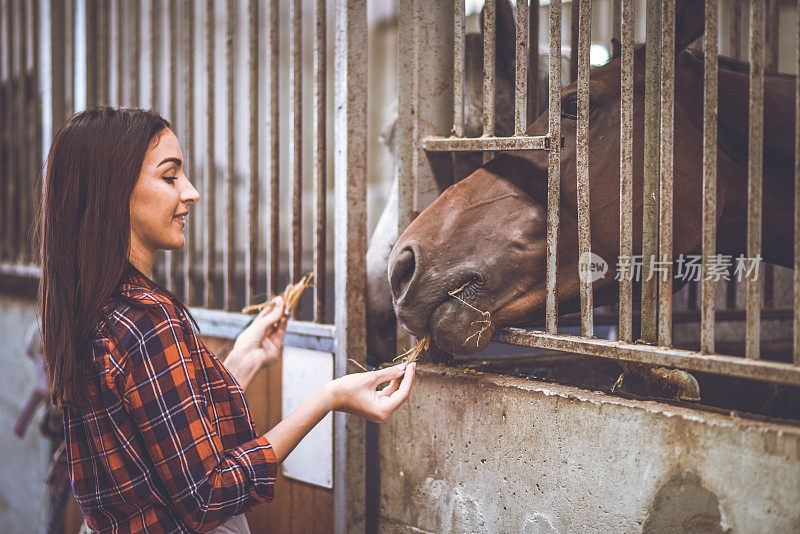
pixel 189 193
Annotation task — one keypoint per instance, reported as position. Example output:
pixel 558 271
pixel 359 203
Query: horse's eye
pixel 569 107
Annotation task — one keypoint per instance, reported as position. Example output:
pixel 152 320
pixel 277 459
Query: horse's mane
pixel 736 65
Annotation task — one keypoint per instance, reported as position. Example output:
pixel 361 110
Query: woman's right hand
pixel 357 393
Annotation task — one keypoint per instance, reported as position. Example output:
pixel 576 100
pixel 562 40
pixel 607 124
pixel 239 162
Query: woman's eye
pixel 171 179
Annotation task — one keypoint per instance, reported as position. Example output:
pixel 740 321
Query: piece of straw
pixel 290 296
pixel 485 322
pixel 413 353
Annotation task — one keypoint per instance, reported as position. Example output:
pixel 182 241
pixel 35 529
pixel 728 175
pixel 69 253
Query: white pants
pixel 234 525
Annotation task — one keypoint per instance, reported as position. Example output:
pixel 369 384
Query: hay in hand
pixel 413 353
pixel 290 296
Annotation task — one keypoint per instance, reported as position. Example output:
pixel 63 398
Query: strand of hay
pixel 290 296
pixel 485 322
pixel 413 353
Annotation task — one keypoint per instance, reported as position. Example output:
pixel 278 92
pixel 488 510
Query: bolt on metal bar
pixel 489 45
pixel 626 169
pixel 665 227
pixel 458 67
pixel 754 176
pixel 119 16
pixel 320 153
pixel 189 251
pixel 273 248
pixel 533 59
pixel 650 188
pixel 136 47
pixel 229 290
pixel 470 144
pixel 582 164
pixel 296 137
pixel 251 253
pixel 210 165
pixel 797 202
pixel 780 373
pixel 710 110
pixel 553 167
pixel 521 78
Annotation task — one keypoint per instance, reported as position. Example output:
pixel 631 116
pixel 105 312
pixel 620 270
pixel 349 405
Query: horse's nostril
pixel 402 271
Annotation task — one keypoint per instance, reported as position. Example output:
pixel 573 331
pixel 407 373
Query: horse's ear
pixel 505 35
pixel 689 22
pixel 616 48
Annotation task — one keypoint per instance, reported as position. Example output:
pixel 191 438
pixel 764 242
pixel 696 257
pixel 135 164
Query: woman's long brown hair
pixel 84 233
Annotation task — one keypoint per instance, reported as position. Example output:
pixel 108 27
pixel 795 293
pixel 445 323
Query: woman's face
pixel 160 200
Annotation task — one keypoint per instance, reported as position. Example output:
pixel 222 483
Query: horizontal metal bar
pixel 464 144
pixel 301 334
pixel 781 373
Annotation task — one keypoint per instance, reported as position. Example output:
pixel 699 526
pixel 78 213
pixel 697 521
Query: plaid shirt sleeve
pixel 206 483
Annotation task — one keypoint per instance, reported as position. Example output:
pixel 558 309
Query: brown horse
pixel 488 231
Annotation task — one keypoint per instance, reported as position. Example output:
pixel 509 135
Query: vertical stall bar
pixel 489 25
pixel 736 29
pixel 553 167
pixel 320 154
pixel 189 248
pixel 58 75
pixel 582 164
pixel 458 67
pixel 5 148
pixel 771 57
pixel 36 108
pixel 135 23
pixel 251 260
pixel 23 149
pixel 521 78
pixel 650 189
pixel 103 52
pixel 90 40
pixel 155 51
pixel 14 145
pixel 710 98
pixel 69 58
pixel 754 177
pixel 273 254
pixel 797 201
pixel 170 256
pixel 533 59
pixel 626 171
pixel 574 11
pixel 230 228
pixel 210 164
pixel 616 27
pixel 120 52
pixel 296 137
pixel 665 227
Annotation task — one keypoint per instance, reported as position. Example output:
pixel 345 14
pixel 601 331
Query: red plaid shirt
pixel 167 443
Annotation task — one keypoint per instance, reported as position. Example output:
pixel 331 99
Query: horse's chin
pixel 458 329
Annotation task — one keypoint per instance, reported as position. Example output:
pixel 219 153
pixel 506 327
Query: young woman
pixel 158 434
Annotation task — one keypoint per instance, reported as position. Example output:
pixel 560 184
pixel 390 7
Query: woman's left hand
pixel 262 341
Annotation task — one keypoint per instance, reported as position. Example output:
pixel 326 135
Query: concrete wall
pixel 474 452
pixel 24 461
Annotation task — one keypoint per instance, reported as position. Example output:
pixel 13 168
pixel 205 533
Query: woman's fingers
pixel 390 373
pixel 398 397
pixel 272 315
pixel 391 388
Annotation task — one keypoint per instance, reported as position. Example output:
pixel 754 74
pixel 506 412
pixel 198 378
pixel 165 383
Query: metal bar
pixel 14 153
pixel 155 50
pixel 582 163
pixel 626 169
pixel 273 255
pixel 710 97
pixel 754 175
pixel 320 153
pixel 171 256
pixel 574 10
pixel 650 189
pixel 23 146
pixel 533 60
pixel 90 40
pixel 135 23
pixel 736 29
pixel 521 74
pixel 230 227
pixel 251 253
pixel 797 201
pixel 189 293
pixel 665 200
pixel 103 52
pixel 210 163
pixel 7 106
pixel 58 67
pixel 781 373
pixel 350 165
pixel 468 144
pixel 772 21
pixel 616 27
pixel 489 46
pixel 553 167
pixel 120 42
pixel 459 77
pixel 296 137
pixel 36 109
